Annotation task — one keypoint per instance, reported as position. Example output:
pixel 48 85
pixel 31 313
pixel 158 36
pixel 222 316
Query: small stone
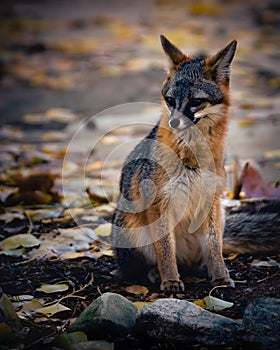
pixel 262 322
pixel 180 320
pixel 93 345
pixel 109 315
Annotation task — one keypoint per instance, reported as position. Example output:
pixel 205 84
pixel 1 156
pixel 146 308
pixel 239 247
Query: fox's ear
pixel 219 65
pixel 175 55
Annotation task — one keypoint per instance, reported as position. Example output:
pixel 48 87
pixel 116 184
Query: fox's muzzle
pixel 180 122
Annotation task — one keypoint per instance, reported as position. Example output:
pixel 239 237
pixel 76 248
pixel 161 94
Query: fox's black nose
pixel 174 123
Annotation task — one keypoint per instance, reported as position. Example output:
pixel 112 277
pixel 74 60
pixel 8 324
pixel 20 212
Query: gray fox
pixel 169 213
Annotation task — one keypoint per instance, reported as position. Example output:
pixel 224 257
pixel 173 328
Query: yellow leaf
pixel 21 240
pixel 247 122
pixel 201 303
pixel 110 140
pixel 95 165
pixel 54 136
pixel 31 306
pixel 105 209
pixel 72 255
pixel 108 252
pixel 137 290
pixel 204 9
pixel 62 115
pixel 51 310
pixel 232 257
pixel 53 288
pixel 103 230
pixel 141 304
pixel 273 154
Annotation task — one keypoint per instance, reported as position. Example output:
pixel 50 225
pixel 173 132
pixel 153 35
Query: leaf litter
pixel 68 253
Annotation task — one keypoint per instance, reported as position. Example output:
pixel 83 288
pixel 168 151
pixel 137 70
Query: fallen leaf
pixel 247 122
pixel 137 290
pixel 205 9
pixel 272 154
pixel 141 304
pixel 13 252
pixel 55 136
pixel 23 297
pixel 85 234
pixel 104 230
pixel 201 303
pixel 51 310
pixel 21 240
pixel 10 216
pixel 105 209
pixel 264 263
pixel 254 186
pixel 72 255
pixel 31 306
pixel 53 288
pixel 109 140
pixel 97 194
pixel 62 115
pixel 41 214
pixel 216 304
pixel 232 257
pixel 8 314
pixel 107 252
pixel 43 181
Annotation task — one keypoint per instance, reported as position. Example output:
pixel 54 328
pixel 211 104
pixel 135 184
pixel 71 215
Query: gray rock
pixel 180 320
pixel 109 315
pixel 93 345
pixel 262 321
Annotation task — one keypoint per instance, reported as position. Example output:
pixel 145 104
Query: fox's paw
pixel 221 281
pixel 172 286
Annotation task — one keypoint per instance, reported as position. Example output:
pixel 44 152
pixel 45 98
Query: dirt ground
pixel 62 63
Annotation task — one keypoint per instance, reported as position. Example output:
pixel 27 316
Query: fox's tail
pixel 253 228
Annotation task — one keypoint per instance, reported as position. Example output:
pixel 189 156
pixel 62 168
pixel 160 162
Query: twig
pixel 30 229
pixel 24 262
pixel 268 277
pixel 221 286
pixel 73 294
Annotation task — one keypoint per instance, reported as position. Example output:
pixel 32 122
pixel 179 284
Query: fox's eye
pixel 170 101
pixel 196 102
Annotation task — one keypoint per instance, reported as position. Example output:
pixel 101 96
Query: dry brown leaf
pixel 51 310
pixel 137 290
pixel 141 304
pixel 254 186
pixel 31 306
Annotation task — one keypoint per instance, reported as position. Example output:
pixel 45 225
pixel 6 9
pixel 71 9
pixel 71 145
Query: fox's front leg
pixel 212 247
pixel 165 250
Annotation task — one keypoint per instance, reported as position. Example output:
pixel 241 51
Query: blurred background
pixel 64 61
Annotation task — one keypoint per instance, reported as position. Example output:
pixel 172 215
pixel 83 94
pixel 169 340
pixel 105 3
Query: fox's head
pixel 196 89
